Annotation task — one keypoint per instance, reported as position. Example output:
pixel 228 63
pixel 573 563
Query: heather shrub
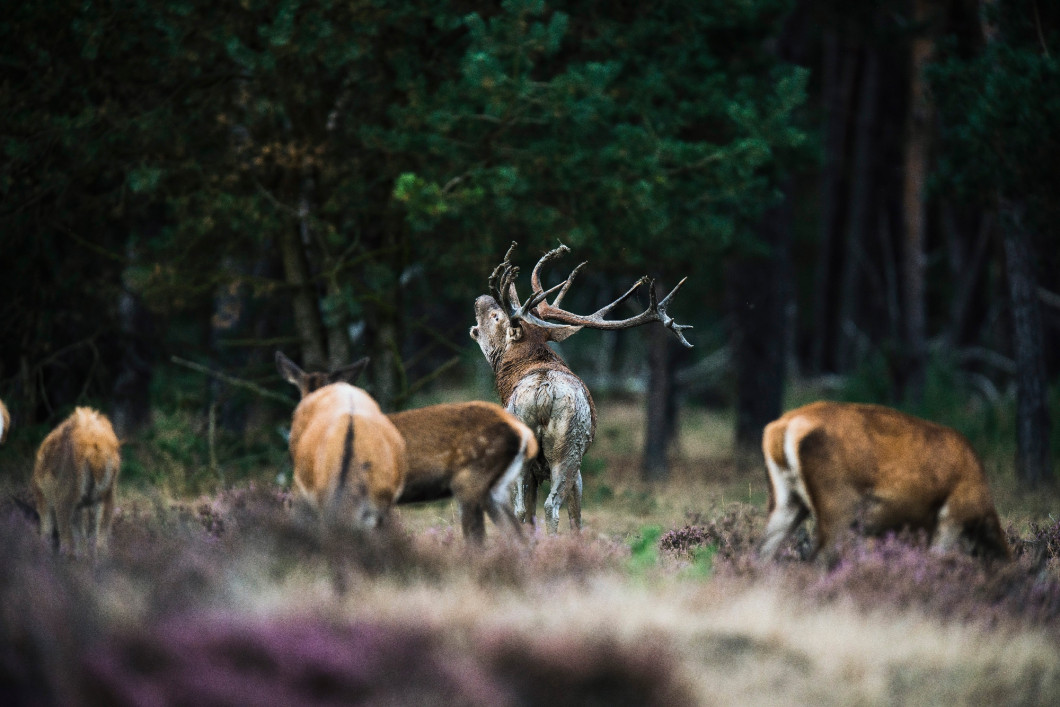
pixel 204 659
pixel 733 534
pixel 225 659
pixel 45 614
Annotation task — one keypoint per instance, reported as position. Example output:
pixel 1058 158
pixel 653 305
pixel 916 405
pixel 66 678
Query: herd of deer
pixel 841 464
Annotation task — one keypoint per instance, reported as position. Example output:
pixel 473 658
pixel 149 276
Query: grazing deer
pixel 471 451
pixel 536 385
pixel 847 463
pixel 5 422
pixel 348 457
pixel 74 478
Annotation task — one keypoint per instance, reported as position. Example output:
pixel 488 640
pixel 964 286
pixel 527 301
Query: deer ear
pixel 349 374
pixel 289 370
pixel 515 333
pixel 561 333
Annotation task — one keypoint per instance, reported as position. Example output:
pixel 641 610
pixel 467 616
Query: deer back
pixel 459 448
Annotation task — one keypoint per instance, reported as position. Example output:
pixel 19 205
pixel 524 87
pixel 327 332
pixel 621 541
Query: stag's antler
pixel 538 310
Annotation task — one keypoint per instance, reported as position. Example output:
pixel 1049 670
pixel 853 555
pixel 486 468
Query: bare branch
pixel 231 380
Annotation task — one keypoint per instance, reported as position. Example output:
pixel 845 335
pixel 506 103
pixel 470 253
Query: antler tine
pixel 665 318
pixel 535 276
pixel 498 272
pixel 656 311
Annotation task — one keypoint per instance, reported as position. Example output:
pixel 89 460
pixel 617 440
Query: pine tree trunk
pixel 839 70
pixel 758 292
pixel 1032 410
pixel 914 206
pixel 303 300
pixel 132 388
pixel 659 427
pixel 858 217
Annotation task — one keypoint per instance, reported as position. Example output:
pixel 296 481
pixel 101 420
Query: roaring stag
pixel 535 384
pixel 74 478
pixel 349 459
pixel 846 464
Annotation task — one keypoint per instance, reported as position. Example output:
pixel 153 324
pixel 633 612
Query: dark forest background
pixel 862 195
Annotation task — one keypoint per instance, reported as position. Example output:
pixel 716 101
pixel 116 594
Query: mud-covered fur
pixel 536 386
pixel 854 465
pixel 349 459
pixel 74 480
pixel 471 451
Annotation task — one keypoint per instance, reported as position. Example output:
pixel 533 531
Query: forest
pixel 862 197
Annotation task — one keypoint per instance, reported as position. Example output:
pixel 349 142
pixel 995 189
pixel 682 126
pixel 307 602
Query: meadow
pixel 219 597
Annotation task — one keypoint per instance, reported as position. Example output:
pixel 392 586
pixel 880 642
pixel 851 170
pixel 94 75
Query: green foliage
pixel 702 566
pixel 999 104
pixel 562 127
pixel 170 150
pixel 644 549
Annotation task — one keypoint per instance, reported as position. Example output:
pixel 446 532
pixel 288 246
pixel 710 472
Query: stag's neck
pixel 520 361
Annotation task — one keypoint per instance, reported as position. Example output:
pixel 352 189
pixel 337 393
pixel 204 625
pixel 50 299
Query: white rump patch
pixel 794 433
pixel 501 491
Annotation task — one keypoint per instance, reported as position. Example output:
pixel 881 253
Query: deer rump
pixel 875 469
pixel 74 477
pixel 344 451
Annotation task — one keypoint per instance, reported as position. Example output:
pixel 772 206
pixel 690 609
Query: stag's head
pixel 502 320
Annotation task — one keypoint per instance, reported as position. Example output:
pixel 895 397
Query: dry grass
pixel 224 598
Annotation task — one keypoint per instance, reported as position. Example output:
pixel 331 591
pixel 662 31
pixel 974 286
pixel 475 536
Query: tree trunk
pixel 914 206
pixel 132 388
pixel 661 408
pixel 758 291
pixel 1032 410
pixel 839 70
pixel 303 300
pixel 858 217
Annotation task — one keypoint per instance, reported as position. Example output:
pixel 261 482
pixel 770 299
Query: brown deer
pixel 73 480
pixel 5 422
pixel 535 384
pixel 349 459
pixel 469 451
pixel 847 463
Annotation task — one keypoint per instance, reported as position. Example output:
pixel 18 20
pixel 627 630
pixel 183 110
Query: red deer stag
pixel 845 463
pixel 5 422
pixel 471 451
pixel 348 458
pixel 536 385
pixel 74 478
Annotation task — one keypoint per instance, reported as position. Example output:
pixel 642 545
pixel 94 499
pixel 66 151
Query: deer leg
pixel 104 519
pixel 47 522
pixel 525 499
pixel 574 502
pixel 65 520
pixel 789 510
pixel 947 532
pixel 472 521
pixel 503 517
pixel 563 480
pixel 782 522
